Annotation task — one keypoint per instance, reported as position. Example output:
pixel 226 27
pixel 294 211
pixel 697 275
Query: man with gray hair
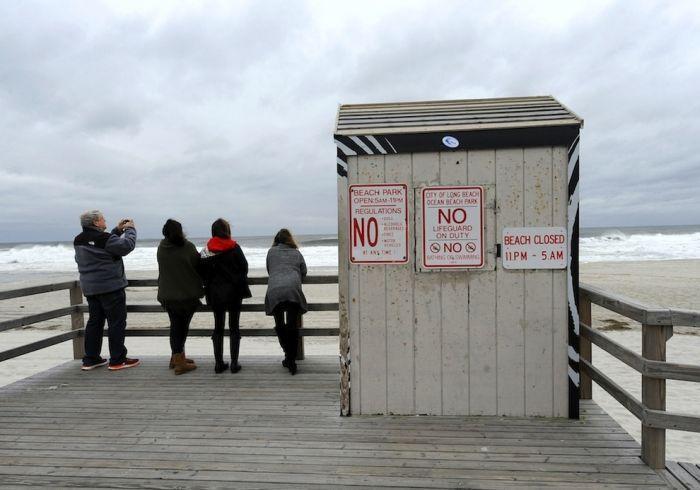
pixel 102 279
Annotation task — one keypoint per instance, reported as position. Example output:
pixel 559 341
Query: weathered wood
pixel 77 320
pixel 245 332
pixel 343 294
pixel 654 395
pixel 454 309
pixel 630 308
pixel 483 395
pixel 399 304
pixel 36 318
pixel 585 350
pixel 31 290
pixel 510 289
pixel 685 318
pixel 538 292
pixel 680 473
pixel 615 390
pixel 670 370
pixel 661 419
pixel 426 301
pixel 355 386
pixel 618 351
pixel 560 313
pixel 39 344
pixel 257 307
pixel 253 281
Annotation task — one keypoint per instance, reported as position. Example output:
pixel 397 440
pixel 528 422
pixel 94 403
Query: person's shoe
pixel 235 368
pixel 88 366
pixel 292 366
pixel 127 363
pixel 181 365
pixel 172 364
pixel 220 367
pixel 284 363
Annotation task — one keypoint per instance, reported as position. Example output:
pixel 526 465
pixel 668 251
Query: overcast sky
pixel 196 110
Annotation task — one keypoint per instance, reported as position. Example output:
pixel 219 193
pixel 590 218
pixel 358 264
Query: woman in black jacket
pixel 225 271
pixel 179 289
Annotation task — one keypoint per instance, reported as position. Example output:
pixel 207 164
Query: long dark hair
pixel 221 228
pixel 172 231
pixel 284 236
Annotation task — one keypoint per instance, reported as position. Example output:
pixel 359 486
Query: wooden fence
pixel 657 328
pixel 77 309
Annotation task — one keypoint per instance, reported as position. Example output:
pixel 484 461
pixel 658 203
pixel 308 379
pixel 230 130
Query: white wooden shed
pixel 457 334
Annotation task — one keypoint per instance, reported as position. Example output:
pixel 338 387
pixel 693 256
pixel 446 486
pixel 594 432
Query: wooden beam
pixel 29 291
pixel 615 390
pixel 585 350
pixel 630 308
pixel 685 318
pixel 36 318
pixel 618 351
pixel 77 320
pixel 668 420
pixel 156 308
pixel 253 281
pixel 245 332
pixel 654 395
pixel 40 344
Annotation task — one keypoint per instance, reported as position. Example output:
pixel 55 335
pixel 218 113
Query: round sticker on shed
pixel 450 142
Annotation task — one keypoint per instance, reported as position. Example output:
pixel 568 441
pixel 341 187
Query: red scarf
pixel 218 245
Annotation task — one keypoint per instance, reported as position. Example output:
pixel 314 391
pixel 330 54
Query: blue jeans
pixel 110 307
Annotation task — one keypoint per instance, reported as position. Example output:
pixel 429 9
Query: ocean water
pixel 321 252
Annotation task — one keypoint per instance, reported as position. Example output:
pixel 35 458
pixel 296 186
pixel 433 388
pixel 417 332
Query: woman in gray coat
pixel 284 299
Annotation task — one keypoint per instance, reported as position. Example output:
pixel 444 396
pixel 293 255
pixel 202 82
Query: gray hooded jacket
pixel 99 258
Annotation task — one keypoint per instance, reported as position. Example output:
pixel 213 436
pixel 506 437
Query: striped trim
pixel 359 145
pixel 572 280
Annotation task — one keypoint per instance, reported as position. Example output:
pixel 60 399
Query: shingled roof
pixel 453 115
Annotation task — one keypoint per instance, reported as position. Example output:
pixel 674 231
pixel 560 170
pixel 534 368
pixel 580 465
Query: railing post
pixel 77 321
pixel 300 341
pixel 585 350
pixel 654 394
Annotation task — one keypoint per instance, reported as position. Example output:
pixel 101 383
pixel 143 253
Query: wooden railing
pixel 657 328
pixel 77 309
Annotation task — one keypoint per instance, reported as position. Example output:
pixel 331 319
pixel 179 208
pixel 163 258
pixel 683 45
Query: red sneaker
pixel 128 363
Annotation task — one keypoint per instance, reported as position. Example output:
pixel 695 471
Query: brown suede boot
pixel 181 365
pixel 188 361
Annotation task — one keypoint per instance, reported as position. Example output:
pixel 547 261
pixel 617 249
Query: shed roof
pixel 453 115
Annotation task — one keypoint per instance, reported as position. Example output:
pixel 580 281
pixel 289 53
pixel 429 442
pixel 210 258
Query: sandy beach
pixel 662 283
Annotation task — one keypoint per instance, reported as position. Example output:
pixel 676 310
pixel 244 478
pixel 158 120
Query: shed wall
pixel 477 342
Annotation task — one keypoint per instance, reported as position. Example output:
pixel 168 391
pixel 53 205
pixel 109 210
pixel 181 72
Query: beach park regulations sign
pixel 378 224
pixel 453 227
pixel 534 248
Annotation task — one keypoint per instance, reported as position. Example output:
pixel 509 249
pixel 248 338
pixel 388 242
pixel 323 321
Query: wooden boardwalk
pixel 262 428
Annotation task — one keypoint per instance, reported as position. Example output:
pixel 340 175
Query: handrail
pixel 657 328
pixel 78 308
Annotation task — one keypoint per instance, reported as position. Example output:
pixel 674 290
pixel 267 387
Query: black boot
pixel 220 366
pixel 291 351
pixel 235 346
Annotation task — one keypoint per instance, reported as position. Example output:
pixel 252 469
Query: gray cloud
pixel 199 110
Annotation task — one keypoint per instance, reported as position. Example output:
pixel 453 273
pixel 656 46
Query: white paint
pixel 450 142
pixel 453 219
pixel 378 226
pixel 535 248
pixel 362 145
pixel 344 148
pixel 376 144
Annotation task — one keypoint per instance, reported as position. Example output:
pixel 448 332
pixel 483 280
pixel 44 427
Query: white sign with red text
pixel 534 248
pixel 453 219
pixel 378 224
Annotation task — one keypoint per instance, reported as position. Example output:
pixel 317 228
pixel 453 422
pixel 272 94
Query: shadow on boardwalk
pixel 262 428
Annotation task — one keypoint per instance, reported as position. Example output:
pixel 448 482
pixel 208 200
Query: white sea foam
pixel 60 258
pixel 618 246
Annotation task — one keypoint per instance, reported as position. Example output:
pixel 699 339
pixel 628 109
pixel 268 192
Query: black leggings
pixel 180 314
pixel 287 328
pixel 234 317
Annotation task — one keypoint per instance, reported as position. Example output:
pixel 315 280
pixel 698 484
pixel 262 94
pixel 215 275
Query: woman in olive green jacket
pixel 179 289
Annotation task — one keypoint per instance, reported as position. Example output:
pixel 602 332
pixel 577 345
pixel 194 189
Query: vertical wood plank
pixel 343 295
pixel 426 305
pixel 399 303
pixel 654 394
pixel 585 348
pixel 537 201
pixel 483 377
pixel 77 320
pixel 510 288
pixel 354 313
pixel 370 169
pixel 454 301
pixel 560 315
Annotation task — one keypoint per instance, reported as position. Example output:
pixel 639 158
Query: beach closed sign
pixel 378 224
pixel 534 248
pixel 453 233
